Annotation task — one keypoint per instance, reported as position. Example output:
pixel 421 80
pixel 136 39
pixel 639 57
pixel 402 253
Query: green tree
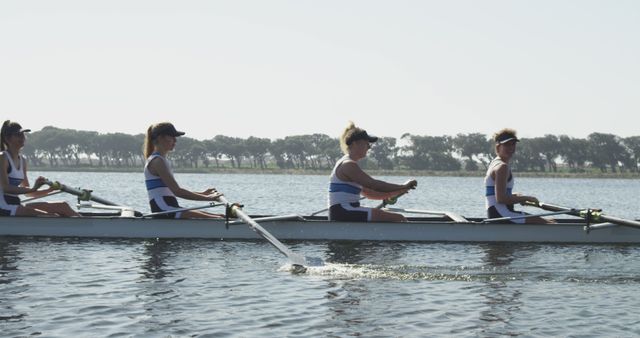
pixel 474 147
pixel 430 152
pixel 607 149
pixel 550 147
pixel 574 152
pixel 233 147
pixel 633 144
pixel 258 149
pixel 384 152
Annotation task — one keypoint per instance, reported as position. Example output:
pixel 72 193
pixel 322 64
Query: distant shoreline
pixel 374 172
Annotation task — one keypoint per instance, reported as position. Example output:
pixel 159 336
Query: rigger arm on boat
pixel 372 188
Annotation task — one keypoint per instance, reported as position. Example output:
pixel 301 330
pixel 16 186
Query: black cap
pixel 165 128
pixel 506 137
pixel 360 134
pixel 13 128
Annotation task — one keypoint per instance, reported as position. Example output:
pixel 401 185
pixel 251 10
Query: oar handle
pixel 392 200
pixel 82 194
pixel 389 201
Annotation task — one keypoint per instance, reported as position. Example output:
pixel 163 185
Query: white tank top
pixel 490 183
pixel 15 174
pixel 341 192
pixel 156 189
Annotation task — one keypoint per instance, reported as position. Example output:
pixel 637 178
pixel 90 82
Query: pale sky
pixel 275 68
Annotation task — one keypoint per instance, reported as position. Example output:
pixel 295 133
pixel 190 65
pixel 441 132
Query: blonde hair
pixel 509 131
pixel 153 132
pixel 349 130
pixel 147 147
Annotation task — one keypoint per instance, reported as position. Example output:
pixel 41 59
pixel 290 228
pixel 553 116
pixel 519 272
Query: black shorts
pixel 352 212
pixel 493 212
pixel 169 202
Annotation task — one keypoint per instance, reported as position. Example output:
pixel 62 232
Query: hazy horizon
pixel 279 68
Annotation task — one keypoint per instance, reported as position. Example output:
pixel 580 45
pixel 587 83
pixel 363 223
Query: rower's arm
pixel 351 172
pixel 4 180
pixel 501 178
pixel 158 168
pixel 39 182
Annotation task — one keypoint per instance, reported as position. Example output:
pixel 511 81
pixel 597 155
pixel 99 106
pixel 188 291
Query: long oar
pixel 325 209
pixel 83 195
pixel 210 205
pixel 390 200
pixel 591 215
pixel 39 197
pixel 452 215
pixel 501 219
pixel 272 219
pixel 296 259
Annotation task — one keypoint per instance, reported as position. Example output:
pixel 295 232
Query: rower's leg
pixel 61 208
pixel 199 214
pixel 29 211
pixel 378 215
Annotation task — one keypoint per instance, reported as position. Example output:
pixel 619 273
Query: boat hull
pixel 421 230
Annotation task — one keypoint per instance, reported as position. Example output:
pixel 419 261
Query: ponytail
pixel 147 148
pixel 3 136
pixel 343 138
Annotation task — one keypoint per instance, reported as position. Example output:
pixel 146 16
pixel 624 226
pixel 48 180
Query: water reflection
pixel 155 254
pixel 8 259
pixel 9 256
pixel 349 298
pixel 502 296
pixel 352 252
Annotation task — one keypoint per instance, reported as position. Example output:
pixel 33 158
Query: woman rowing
pixel 14 180
pixel 348 181
pixel 499 182
pixel 162 187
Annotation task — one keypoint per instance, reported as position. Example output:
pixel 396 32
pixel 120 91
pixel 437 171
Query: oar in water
pixel 297 260
pixel 591 215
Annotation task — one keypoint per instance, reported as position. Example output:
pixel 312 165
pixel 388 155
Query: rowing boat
pixel 293 227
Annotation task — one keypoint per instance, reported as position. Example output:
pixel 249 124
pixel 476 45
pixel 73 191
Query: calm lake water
pixel 208 288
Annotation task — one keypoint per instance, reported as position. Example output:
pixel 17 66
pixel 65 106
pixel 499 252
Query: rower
pixel 499 182
pixel 162 187
pixel 348 181
pixel 14 180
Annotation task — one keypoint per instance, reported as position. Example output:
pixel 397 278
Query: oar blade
pixel 294 258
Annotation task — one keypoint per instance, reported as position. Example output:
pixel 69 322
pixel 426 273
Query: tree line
pixel 54 147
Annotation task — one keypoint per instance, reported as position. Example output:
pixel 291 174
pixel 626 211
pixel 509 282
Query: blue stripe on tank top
pixel 491 191
pixel 342 187
pixel 15 181
pixel 155 183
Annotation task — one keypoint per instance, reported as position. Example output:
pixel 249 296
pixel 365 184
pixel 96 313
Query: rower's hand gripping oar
pixel 590 215
pixel 394 199
pixel 297 260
